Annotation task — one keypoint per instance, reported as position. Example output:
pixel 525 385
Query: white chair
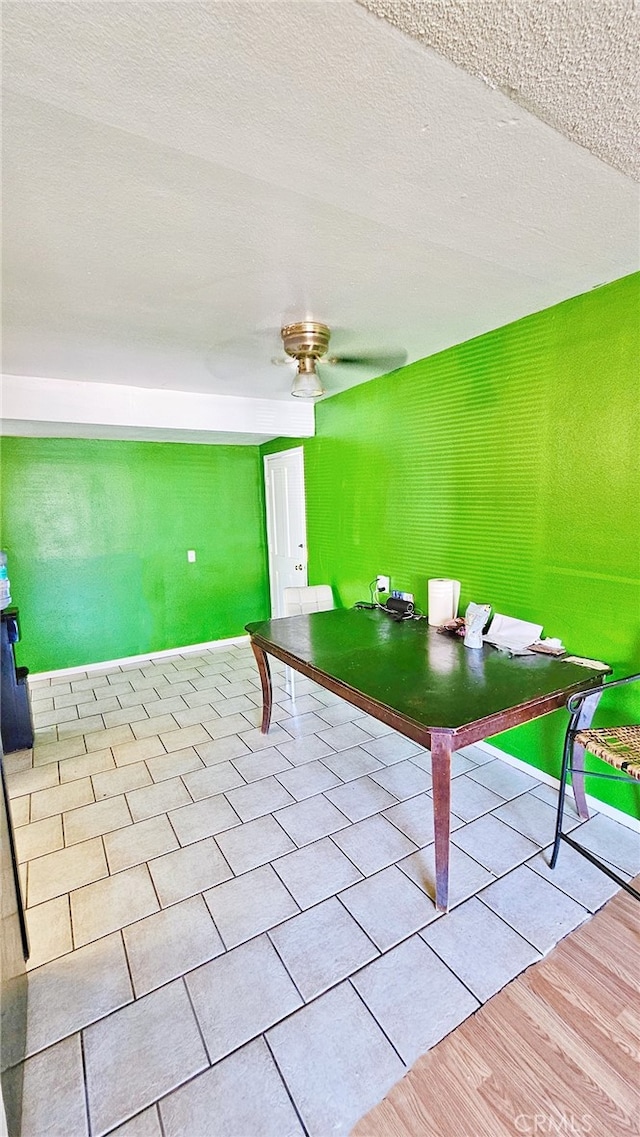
pixel 314 598
pixel 300 601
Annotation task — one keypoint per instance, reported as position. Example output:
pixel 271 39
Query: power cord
pixel 373 603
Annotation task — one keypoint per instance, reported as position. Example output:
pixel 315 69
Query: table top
pixel 429 679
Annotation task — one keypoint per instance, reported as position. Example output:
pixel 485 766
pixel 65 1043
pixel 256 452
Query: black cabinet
pixel 16 726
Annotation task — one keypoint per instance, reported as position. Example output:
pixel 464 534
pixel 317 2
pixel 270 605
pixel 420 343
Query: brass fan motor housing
pixel 306 339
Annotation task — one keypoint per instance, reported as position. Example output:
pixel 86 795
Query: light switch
pixel 191 555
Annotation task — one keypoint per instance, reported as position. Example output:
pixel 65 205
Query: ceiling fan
pixel 313 365
pixel 307 343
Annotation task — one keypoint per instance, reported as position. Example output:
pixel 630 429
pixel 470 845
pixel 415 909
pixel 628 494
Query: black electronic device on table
pixel 394 607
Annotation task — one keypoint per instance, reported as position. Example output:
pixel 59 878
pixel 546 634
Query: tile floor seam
pixel 378 1024
pixel 507 822
pixel 286 835
pixel 324 793
pixel 193 799
pixel 289 893
pixel 408 935
pixel 548 849
pixel 396 826
pixel 217 929
pixel 106 860
pixel 64 896
pixel 104 854
pixel 114 829
pixel 128 807
pixel 585 821
pixel 353 916
pixel 231 877
pixel 468 854
pixel 81 1030
pixel 172 826
pixel 497 875
pixel 158 1102
pixel 230 804
pixel 507 801
pixel 518 931
pixel 448 1032
pixel 302 911
pixel 450 969
pixel 365 876
pixel 195 1015
pixel 452 903
pixel 282 960
pixel 570 805
pixel 212 1065
pixel 72 949
pixel 553 884
pixel 123 943
pixel 85 1086
pixel 155 893
pixel 286 1085
pixel 261 1033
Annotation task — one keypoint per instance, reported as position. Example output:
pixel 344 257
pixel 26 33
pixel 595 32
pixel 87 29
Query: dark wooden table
pixel 426 686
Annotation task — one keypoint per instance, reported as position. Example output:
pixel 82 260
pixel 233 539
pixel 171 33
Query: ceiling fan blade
pixel 382 362
pixel 244 365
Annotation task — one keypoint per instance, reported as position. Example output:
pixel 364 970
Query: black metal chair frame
pixel 581 708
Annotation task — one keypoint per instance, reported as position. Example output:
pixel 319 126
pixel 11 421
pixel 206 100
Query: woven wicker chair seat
pixel 618 745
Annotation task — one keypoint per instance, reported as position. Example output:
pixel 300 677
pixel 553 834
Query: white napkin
pixel 512 635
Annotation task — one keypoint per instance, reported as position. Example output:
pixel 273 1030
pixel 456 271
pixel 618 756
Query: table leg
pixel 441 772
pixel 585 719
pixel 265 680
pixel 577 781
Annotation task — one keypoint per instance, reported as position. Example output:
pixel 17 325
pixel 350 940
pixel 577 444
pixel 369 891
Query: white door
pixel 286 523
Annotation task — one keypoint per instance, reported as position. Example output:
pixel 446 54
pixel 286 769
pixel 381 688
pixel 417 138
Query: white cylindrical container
pixel 442 601
pixel 5 586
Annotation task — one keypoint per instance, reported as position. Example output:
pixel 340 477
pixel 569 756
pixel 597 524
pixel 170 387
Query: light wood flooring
pixel 556 1051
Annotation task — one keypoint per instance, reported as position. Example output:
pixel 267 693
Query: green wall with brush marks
pixel 511 463
pixel 97 535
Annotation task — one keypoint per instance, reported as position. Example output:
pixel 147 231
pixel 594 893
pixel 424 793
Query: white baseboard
pixel 129 659
pixel 594 803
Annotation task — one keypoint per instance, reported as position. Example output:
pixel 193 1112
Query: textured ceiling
pixel 180 178
pixel 574 64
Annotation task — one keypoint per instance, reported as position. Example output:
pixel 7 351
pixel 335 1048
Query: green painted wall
pixel 510 462
pixel 97 535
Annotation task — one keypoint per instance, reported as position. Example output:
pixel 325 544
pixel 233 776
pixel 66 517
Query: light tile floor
pixel 235 935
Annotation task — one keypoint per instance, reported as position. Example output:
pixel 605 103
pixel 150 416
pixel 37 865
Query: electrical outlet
pixel 191 555
pixel 382 583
